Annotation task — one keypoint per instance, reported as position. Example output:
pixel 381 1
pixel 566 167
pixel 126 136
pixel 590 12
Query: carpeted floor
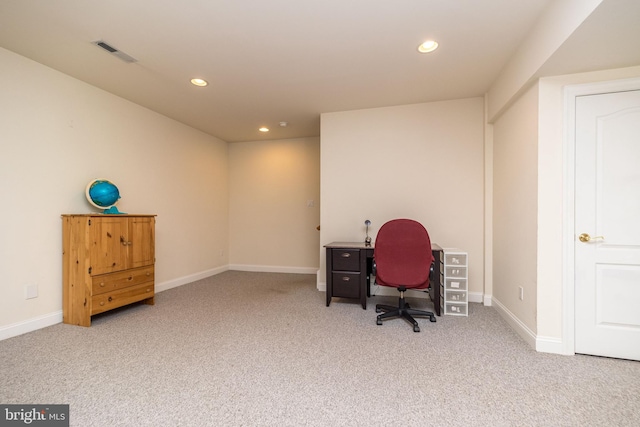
pixel 262 349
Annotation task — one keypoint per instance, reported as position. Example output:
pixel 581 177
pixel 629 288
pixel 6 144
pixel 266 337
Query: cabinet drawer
pixel 345 259
pixel 115 299
pixel 456 284
pixel 455 259
pixel 456 296
pixel 456 309
pixel 456 271
pixel 122 279
pixel 346 285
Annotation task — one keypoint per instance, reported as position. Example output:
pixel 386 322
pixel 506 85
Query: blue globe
pixel 103 194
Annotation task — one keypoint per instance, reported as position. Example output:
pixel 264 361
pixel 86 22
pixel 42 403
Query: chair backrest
pixel 403 254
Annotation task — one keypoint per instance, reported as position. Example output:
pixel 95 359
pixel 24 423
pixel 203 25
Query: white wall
pixel 422 161
pixel 515 209
pixel 271 225
pixel 56 134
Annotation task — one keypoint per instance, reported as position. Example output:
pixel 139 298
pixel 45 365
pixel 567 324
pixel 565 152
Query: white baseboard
pixel 190 278
pixel 550 345
pixel 30 325
pixel 476 297
pixel 487 300
pixel 539 343
pixel 273 269
pixel 516 324
pixel 54 318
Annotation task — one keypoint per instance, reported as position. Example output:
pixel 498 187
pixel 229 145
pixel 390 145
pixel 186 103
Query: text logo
pixel 34 415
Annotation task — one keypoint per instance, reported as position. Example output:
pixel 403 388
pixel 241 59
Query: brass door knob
pixel 585 238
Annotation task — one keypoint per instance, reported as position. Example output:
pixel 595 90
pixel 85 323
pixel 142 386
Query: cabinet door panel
pixel 108 241
pixel 141 241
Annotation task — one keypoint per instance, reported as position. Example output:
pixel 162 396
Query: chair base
pixel 402 310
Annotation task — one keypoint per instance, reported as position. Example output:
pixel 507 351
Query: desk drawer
pixel 345 259
pixel 346 285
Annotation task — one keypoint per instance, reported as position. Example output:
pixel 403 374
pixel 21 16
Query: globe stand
pixel 113 211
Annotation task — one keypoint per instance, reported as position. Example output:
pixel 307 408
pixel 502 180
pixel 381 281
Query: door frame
pixel 571 92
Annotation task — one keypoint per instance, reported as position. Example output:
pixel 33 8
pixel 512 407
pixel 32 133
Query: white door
pixel 607 209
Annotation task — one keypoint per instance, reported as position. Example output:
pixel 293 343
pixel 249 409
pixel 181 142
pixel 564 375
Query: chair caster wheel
pixel 432 319
pixel 416 328
pixel 378 321
pixel 378 310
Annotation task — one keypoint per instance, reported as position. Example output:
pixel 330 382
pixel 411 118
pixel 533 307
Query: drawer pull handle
pixel 102 285
pixel 345 279
pixel 345 255
pixel 148 274
pixel 130 278
pixel 101 302
pixel 110 299
pixel 148 290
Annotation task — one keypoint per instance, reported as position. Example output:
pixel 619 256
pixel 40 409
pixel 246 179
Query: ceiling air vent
pixel 112 50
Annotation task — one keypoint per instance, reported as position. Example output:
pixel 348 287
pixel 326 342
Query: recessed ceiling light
pixel 428 46
pixel 199 82
pixel 264 129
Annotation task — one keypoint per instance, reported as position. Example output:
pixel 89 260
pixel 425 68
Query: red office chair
pixel 403 260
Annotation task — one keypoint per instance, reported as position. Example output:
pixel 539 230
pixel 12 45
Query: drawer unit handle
pixel 101 302
pixel 148 290
pixel 102 285
pixel 110 299
pixel 130 278
pixel 148 274
pixel 345 255
pixel 345 279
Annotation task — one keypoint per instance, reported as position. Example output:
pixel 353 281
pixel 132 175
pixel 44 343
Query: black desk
pixel 349 267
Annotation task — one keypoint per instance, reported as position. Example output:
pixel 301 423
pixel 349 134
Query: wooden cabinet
pixel 107 262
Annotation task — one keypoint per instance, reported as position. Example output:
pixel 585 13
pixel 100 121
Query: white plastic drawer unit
pixel 455 271
pixel 456 282
pixel 455 259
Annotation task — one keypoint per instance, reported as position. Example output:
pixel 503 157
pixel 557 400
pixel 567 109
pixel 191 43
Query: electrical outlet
pixel 521 293
pixel 30 291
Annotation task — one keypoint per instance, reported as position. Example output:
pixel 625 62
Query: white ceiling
pixel 276 60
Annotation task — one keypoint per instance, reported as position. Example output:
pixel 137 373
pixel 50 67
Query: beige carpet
pixel 261 349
